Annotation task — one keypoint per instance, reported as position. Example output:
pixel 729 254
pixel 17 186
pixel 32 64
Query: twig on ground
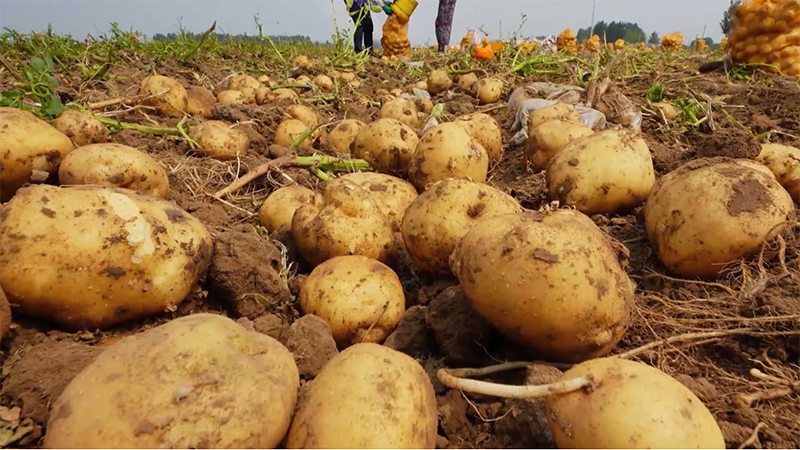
pixel 753 437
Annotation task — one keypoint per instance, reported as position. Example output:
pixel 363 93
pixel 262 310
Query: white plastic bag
pixel 477 36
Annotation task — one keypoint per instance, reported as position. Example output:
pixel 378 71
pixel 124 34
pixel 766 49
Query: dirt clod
pixel 411 334
pixel 312 345
pixel 461 334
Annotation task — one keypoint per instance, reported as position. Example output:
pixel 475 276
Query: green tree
pixel 629 32
pixel 654 38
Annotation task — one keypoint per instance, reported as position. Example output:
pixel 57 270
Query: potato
pixel 670 111
pixel 549 138
pixel 197 381
pixel 347 222
pixel 421 85
pixel 303 80
pixel 488 90
pixel 303 114
pixel 486 131
pixel 445 151
pixel 436 220
pixel 323 82
pixel 231 98
pixel 361 299
pixel 219 141
pixel 401 109
pixel 550 281
pixel 27 145
pixel 342 135
pixel 425 107
pixel 5 314
pixel 284 93
pixel 347 76
pixel 710 212
pixel 114 165
pixel 245 84
pixel 387 145
pixel 784 162
pixel 619 411
pixel 278 209
pixel 91 257
pixel 288 131
pixel 265 80
pixel 302 62
pixel 164 94
pixel 559 111
pixel 200 101
pixel 439 81
pixel 368 396
pixel 390 194
pixel 397 92
pixel 467 80
pixel 81 128
pixel 603 173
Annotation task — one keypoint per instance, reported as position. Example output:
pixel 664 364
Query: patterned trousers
pixel 444 23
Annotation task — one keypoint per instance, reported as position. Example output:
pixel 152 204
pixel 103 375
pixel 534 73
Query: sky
pixel 314 18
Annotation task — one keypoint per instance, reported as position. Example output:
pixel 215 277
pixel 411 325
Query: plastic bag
pixel 592 118
pixel 766 32
pixel 478 36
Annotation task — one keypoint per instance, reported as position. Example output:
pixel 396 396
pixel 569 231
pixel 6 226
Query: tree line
pixel 631 33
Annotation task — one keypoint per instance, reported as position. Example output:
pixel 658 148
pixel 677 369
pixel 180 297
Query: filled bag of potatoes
pixel 395 37
pixel 766 32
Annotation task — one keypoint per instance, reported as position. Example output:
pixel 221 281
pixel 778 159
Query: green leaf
pixel 11 94
pixel 52 80
pixel 38 64
pixel 49 61
pixel 53 108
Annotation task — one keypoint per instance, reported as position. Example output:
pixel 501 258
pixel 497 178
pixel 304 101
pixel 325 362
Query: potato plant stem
pixel 453 379
pixel 158 131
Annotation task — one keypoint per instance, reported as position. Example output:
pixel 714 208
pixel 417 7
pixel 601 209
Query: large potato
pixel 710 212
pixel 549 138
pixel 323 82
pixel 550 281
pixel 278 209
pixel 347 222
pixel 486 131
pixel 164 94
pixel 435 222
pixel 361 299
pixel 438 81
pixel 392 195
pixel 199 101
pixel 5 314
pixel 488 90
pixel 219 141
pixel 302 62
pixel 81 128
pixel 27 144
pixel 784 162
pixel 368 396
pixel 387 145
pixel 231 98
pixel 402 110
pixel 559 111
pixel 201 381
pixel 446 151
pixel 114 165
pixel 288 131
pixel 92 257
pixel 603 173
pixel 245 84
pixel 630 405
pixel 343 135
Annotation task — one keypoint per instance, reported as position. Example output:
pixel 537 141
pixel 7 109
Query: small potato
pixel 387 145
pixel 200 101
pixel 486 131
pixel 436 220
pixel 5 314
pixel 219 141
pixel 439 81
pixel 559 111
pixel 245 84
pixel 347 76
pixel 343 135
pixel 81 128
pixel 28 145
pixel 303 114
pixel 549 138
pixel 288 131
pixel 302 62
pixel 91 257
pixel 421 85
pixel 397 92
pixel 114 165
pixel 670 111
pixel 323 82
pixel 628 397
pixel 401 109
pixel 278 209
pixel 231 98
pixel 194 382
pixel 392 195
pixel 466 81
pixel 284 93
pixel 164 94
pixel 603 173
pixel 265 80
pixel 347 222
pixel 445 151
pixel 551 281
pixel 303 80
pixel 368 396
pixel 488 90
pixel 784 162
pixel 424 105
pixel 361 299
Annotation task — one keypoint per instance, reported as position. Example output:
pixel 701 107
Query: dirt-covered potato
pixel 278 209
pixel 436 220
pixel 164 94
pixel 488 90
pixel 368 396
pixel 392 195
pixel 401 109
pixel 245 84
pixel 81 128
pixel 346 222
pixel 549 138
pixel 550 281
pixel 439 81
pixel 784 162
pixel 486 131
pixel 30 150
pixel 231 98
pixel 603 173
pixel 288 131
pixel 114 165
pixel 198 381
pixel 425 106
pixel 92 257
pixel 361 299
pixel 219 141
pixel 669 111
pixel 710 212
pixel 559 111
pixel 342 135
pixel 302 80
pixel 446 151
pixel 302 62
pixel 5 314
pixel 467 80
pixel 619 411
pixel 347 77
pixel 323 82
pixel 284 94
pixel 303 114
pixel 200 101
pixel 387 145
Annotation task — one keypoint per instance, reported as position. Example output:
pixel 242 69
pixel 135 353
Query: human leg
pixel 444 23
pixel 368 29
pixel 358 35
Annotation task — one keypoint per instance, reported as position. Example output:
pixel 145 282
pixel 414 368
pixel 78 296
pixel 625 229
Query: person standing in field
pixel 362 38
pixel 444 23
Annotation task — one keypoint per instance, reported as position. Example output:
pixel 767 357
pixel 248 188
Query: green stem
pixel 203 38
pixel 320 173
pixel 290 86
pixel 158 131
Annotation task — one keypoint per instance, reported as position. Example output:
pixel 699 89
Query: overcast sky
pixel 314 18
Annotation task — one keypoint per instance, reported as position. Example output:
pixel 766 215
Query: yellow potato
pixel 486 131
pixel 402 110
pixel 303 80
pixel 559 111
pixel 439 81
pixel 466 81
pixel 231 98
pixel 200 101
pixel 421 85
pixel 387 145
pixel 390 194
pixel 447 151
pixel 278 209
pixel 784 162
pixel 368 396
pixel 114 165
pixel 302 62
pixel 5 314
pixel 549 138
pixel 342 135
pixel 164 94
pixel 488 90
pixel 81 128
pixel 323 82
pixel 670 111
pixel 195 382
pixel 219 141
pixel 92 257
pixel 28 145
pixel 245 84
pixel 347 76
pixel 288 131
pixel 303 114
pixel 550 281
pixel 425 106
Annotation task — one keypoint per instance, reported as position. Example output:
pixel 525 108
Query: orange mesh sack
pixel 395 37
pixel 567 42
pixel 766 32
pixel 672 42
